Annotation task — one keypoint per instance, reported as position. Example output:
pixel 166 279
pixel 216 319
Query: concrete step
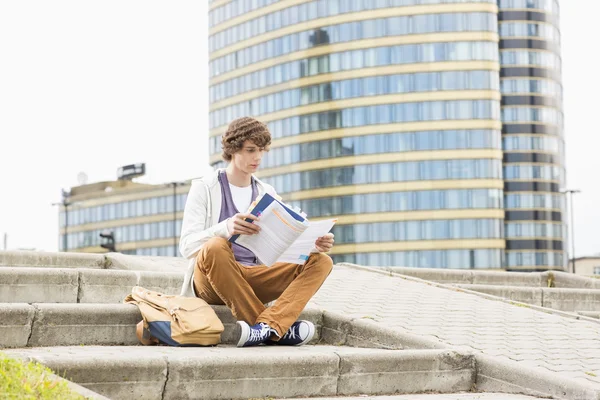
pixel 562 299
pixel 51 260
pixel 557 278
pixel 39 325
pixel 591 314
pixel 446 396
pixel 80 285
pixel 266 371
pixel 94 261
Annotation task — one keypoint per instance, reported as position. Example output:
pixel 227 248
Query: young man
pixel 224 273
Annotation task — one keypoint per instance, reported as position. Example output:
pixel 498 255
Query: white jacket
pixel 201 221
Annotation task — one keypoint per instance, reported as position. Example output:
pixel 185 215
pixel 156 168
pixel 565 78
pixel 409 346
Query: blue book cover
pixel 264 202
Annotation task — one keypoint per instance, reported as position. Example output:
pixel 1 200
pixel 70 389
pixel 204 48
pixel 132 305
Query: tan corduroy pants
pixel 220 279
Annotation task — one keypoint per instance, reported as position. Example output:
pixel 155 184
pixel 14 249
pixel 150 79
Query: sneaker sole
pixel 311 334
pixel 244 331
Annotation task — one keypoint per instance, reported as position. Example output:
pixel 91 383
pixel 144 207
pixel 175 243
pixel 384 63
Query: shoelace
pixel 257 335
pixel 291 333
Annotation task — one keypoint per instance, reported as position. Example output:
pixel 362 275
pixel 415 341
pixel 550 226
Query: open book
pixel 285 235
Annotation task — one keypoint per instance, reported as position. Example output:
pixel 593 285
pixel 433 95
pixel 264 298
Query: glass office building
pixel 533 139
pixel 143 219
pixel 432 129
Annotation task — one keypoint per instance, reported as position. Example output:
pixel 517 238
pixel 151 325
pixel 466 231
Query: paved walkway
pixel 536 339
pixel 454 396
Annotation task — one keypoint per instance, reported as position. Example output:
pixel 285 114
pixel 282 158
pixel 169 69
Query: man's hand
pixel 325 243
pixel 237 225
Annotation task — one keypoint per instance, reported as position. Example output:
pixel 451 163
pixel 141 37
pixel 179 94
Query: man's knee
pixel 323 263
pixel 214 249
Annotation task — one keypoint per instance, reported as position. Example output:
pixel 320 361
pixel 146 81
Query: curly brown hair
pixel 240 130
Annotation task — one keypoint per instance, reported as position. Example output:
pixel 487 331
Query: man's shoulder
pixel 208 179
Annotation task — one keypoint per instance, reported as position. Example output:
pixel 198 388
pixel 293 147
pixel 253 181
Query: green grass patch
pixel 20 380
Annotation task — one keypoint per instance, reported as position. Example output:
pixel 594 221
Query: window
pixel 597 270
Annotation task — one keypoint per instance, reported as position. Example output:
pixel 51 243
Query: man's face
pixel 249 157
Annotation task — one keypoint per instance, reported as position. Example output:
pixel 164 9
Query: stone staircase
pixel 552 289
pixel 66 311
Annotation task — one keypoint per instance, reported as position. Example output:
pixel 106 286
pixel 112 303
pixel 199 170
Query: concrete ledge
pixel 477 277
pixel 256 372
pixel 565 280
pixel 50 324
pixel 529 295
pixel 87 393
pixel 431 274
pixel 146 263
pixel 228 373
pixel 505 278
pixel 115 372
pixel 105 286
pixel 48 259
pixel 411 371
pixel 15 324
pixel 557 278
pixel 164 282
pixel 590 314
pixel 503 375
pixel 561 299
pixel 84 324
pixel 112 286
pixel 72 285
pixel 36 285
pixel 571 299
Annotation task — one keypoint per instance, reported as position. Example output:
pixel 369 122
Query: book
pixel 286 235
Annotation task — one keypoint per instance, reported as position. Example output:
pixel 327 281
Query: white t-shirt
pixel 242 197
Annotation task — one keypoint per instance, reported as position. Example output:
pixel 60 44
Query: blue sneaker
pixel 253 335
pixel 301 332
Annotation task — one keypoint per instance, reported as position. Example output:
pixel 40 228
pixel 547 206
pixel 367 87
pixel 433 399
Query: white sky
pixel 93 85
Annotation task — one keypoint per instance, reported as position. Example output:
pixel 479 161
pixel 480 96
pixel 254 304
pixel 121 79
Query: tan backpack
pixel 176 320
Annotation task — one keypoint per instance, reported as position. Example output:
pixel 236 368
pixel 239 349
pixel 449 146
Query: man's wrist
pixel 227 227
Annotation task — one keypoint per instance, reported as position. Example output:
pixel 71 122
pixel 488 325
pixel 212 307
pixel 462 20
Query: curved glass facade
pixel 393 26
pixel 125 234
pixel 358 87
pixel 124 209
pixel 382 143
pixel 550 6
pixel 423 200
pixel 352 31
pixel 419 230
pixel 293 15
pixel 456 259
pixel 387 172
pixel 310 10
pixel 531 86
pixel 316 112
pixel 531 69
pixel 530 29
pixel 531 57
pixel 542 143
pixel 143 221
pixel 380 56
pixel 387 114
pixel 533 201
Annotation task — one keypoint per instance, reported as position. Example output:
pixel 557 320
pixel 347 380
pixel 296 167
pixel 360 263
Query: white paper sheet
pixel 299 251
pixel 278 231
